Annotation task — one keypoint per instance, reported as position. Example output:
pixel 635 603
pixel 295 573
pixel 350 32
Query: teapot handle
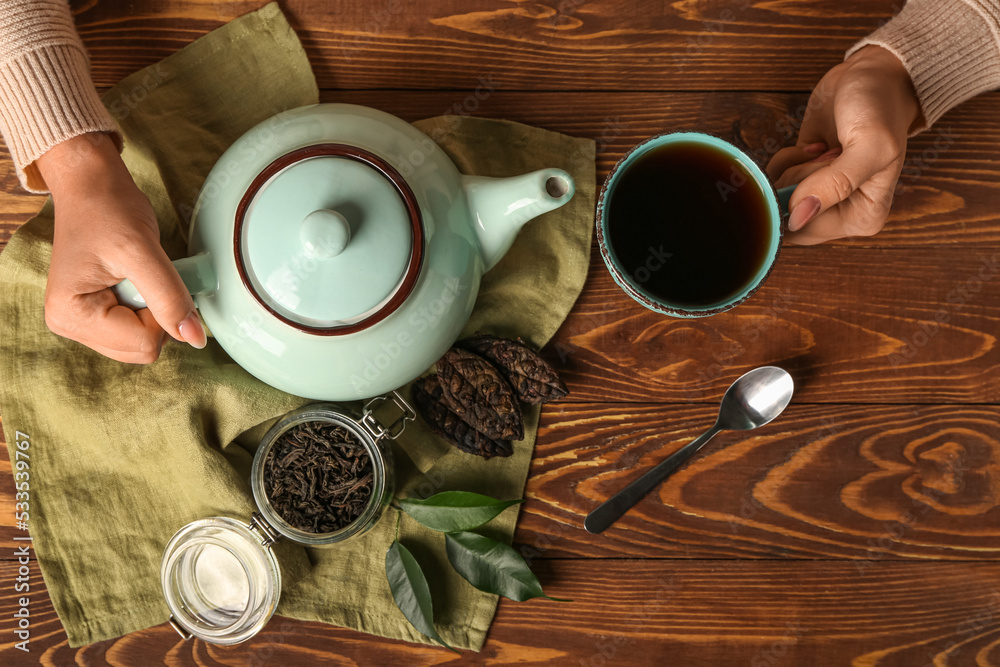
pixel 196 272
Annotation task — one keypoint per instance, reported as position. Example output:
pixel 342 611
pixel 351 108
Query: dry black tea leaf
pixel 318 477
pixel 428 399
pixel 475 391
pixel 532 378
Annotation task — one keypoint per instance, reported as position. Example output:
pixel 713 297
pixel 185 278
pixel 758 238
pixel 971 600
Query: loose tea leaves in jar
pixel 318 477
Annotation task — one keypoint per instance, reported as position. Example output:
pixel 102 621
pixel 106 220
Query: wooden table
pixel 860 528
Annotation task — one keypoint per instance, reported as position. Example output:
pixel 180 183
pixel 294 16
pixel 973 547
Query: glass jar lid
pixel 220 579
pixel 329 239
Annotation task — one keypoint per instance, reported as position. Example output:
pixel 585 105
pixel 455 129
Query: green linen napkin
pixel 123 456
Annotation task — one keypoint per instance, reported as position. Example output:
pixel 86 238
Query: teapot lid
pixel 329 239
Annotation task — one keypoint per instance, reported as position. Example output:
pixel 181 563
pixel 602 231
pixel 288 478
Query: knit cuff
pixel 951 49
pixel 48 98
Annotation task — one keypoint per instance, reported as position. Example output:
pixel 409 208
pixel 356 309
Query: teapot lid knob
pixel 325 233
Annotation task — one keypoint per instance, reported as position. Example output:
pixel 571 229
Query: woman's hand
pixel 862 111
pixel 106 231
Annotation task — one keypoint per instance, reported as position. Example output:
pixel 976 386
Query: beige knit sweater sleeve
pixel 951 48
pixel 46 93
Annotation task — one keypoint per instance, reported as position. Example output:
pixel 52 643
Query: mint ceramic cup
pixel 689 225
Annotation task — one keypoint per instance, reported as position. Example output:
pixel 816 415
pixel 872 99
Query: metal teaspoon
pixel 753 400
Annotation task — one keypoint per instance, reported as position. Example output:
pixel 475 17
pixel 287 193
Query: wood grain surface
pixel 853 325
pixel 516 44
pixel 869 483
pixel 646 612
pixel 860 528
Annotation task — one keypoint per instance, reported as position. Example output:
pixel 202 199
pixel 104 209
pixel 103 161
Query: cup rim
pixel 626 283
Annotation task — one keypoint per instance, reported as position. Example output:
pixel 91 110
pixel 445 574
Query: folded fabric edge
pixel 87 631
pixel 588 146
pixel 267 19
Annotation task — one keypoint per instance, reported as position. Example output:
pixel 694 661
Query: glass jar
pixel 369 432
pixel 220 577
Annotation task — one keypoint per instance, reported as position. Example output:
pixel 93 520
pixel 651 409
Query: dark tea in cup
pixel 688 224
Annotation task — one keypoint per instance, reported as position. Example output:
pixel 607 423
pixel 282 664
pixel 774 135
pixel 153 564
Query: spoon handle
pixel 614 507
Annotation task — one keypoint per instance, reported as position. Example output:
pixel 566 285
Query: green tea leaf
pixel 493 567
pixel 410 590
pixel 455 511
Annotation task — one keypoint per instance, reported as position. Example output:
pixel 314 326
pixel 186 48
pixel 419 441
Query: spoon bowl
pixel 754 399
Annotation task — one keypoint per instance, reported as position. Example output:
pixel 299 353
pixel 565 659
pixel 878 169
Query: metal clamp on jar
pixel 220 578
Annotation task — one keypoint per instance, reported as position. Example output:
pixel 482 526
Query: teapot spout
pixel 501 206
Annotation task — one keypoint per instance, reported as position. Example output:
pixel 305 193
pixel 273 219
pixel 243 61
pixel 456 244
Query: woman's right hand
pixel 862 110
pixel 106 231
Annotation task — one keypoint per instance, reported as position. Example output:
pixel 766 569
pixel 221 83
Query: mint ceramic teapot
pixel 336 251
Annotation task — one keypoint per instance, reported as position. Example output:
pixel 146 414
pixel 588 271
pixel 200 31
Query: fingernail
pixel 829 155
pixel 192 332
pixel 817 147
pixel 803 212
